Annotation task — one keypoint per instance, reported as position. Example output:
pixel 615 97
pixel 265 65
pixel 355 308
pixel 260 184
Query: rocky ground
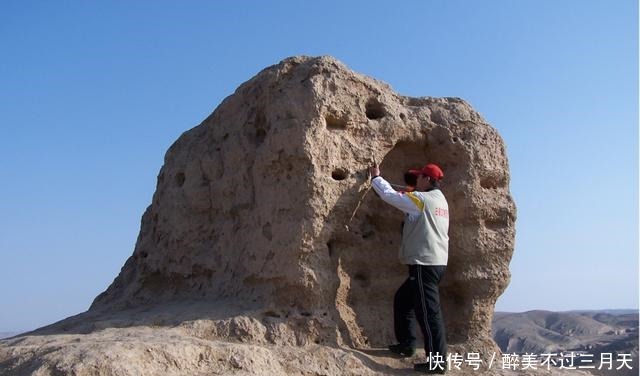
pixel 191 348
pixel 191 339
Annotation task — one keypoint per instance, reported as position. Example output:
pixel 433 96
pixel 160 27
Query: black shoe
pixel 426 368
pixel 406 351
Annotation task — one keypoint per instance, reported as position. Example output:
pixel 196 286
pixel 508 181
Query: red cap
pixel 431 170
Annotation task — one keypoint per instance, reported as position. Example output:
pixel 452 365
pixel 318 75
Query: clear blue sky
pixel 93 93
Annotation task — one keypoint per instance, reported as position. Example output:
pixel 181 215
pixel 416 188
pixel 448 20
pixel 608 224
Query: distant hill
pixel 592 332
pixel 611 311
pixel 8 334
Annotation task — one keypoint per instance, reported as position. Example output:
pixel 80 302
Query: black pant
pixel 418 298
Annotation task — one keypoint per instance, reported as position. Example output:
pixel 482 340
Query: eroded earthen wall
pixel 267 201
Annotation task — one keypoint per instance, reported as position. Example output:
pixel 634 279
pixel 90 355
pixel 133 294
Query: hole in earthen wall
pixel 374 109
pixel 365 296
pixel 339 174
pixel 365 302
pixel 333 123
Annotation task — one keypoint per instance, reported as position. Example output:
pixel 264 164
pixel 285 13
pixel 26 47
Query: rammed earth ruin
pixel 263 231
pixel 257 204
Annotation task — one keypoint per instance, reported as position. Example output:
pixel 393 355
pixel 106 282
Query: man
pixel 425 248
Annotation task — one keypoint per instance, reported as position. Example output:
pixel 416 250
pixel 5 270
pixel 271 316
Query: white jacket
pixel 425 238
